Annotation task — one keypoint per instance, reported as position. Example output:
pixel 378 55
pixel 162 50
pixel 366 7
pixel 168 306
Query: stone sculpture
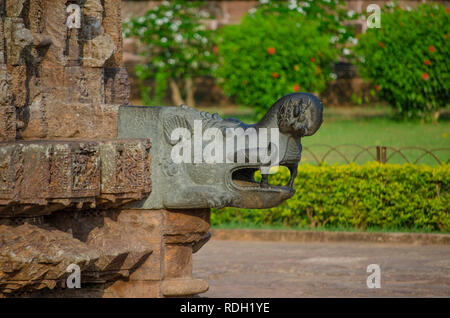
pixel 215 185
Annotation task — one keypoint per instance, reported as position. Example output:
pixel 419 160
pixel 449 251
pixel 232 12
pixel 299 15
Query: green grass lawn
pixel 365 126
pixel 254 226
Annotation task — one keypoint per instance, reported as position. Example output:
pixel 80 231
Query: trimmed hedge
pixel 372 195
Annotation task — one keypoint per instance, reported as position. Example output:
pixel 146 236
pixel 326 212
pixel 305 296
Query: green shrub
pixel 407 59
pixel 373 195
pixel 277 49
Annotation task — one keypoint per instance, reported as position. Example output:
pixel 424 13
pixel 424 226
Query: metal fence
pixel 319 153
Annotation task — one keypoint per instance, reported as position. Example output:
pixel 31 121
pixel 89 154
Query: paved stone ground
pixel 288 269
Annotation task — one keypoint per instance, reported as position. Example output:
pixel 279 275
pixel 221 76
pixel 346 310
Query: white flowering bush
pixel 177 47
pixel 282 47
pixel 331 16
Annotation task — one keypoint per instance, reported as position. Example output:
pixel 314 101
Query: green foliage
pixel 176 43
pixel 281 47
pixel 407 59
pixel 373 195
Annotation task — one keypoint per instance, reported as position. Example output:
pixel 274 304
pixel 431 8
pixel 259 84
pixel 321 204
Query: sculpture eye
pixel 296 110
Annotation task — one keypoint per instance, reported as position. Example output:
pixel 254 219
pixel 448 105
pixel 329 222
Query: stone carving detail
pixel 7 123
pixel 39 177
pixel 207 185
pixel 51 72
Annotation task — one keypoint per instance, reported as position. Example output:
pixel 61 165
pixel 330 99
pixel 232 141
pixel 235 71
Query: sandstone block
pixel 178 261
pixel 5 93
pixel 84 85
pixel 34 256
pixel 138 289
pixel 18 40
pixel 7 123
pixel 117 86
pixel 183 287
pixel 50 118
pixel 2 39
pixel 54 18
pixel 98 50
pixel 187 226
pixel 14 8
pixel 112 24
pixel 18 87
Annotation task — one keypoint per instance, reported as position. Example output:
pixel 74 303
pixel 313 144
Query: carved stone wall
pixel 121 253
pixel 65 178
pixel 57 80
pixel 38 177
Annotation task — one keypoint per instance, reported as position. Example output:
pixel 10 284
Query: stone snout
pixel 202 161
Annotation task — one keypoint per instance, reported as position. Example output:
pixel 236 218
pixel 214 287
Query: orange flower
pixel 312 59
pixel 318 70
pixel 432 49
pixel 296 67
pixel 377 88
pixel 271 50
pixel 215 49
pixel 425 76
pixel 447 10
pixel 296 87
pixel 381 44
pixel 275 75
pixel 427 62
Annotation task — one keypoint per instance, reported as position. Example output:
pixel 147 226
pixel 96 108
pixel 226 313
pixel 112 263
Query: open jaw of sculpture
pixel 199 177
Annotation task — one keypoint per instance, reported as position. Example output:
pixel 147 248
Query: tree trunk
pixel 190 91
pixel 175 91
pixel 436 115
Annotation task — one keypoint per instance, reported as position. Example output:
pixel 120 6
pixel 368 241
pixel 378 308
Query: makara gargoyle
pixel 199 160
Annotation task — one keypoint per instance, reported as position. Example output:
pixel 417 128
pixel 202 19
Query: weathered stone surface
pixel 186 226
pixel 52 119
pixel 18 88
pixel 178 261
pixel 122 246
pixel 18 39
pixel 14 8
pixel 183 287
pixel 2 39
pixel 84 85
pixel 151 223
pixel 54 16
pixel 7 123
pixel 117 86
pixel 40 177
pixel 133 289
pixel 5 93
pixel 98 50
pixel 113 27
pixel 35 257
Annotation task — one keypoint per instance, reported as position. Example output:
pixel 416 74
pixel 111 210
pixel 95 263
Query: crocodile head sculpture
pixel 202 161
